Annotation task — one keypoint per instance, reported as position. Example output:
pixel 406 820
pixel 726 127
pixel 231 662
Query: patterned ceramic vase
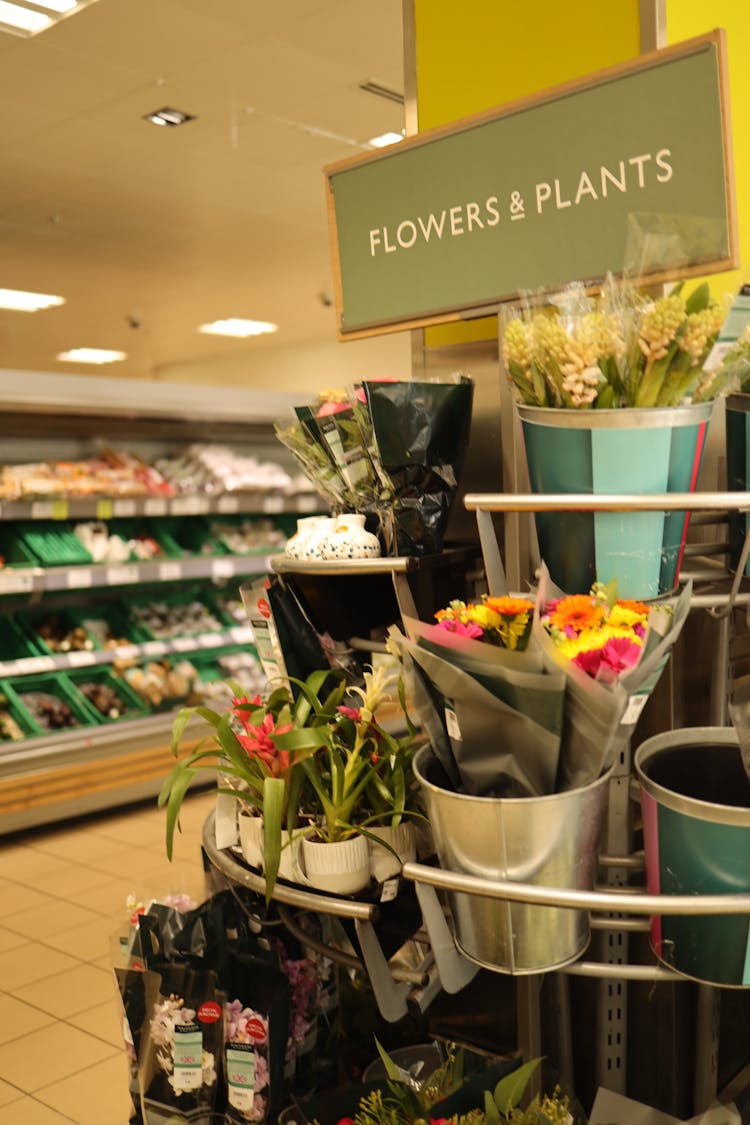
pixel 349 539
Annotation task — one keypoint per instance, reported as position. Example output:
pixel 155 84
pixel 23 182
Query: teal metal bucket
pixel 695 799
pixel 737 427
pixel 610 452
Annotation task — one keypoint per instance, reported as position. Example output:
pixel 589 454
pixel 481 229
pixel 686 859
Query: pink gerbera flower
pixel 469 629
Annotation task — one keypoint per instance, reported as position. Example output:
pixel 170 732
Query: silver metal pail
pixel 545 841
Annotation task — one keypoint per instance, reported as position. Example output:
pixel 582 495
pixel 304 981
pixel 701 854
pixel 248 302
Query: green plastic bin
pixel 53 683
pixel 133 707
pixel 53 543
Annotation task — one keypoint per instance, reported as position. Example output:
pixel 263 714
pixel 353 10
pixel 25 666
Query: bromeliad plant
pixel 258 749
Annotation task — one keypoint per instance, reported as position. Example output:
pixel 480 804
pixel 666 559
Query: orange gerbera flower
pixel 634 607
pixel 509 607
pixel 577 612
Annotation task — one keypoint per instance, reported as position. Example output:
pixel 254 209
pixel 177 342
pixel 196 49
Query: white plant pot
pixel 341 868
pixel 384 864
pixel 306 525
pixel 349 539
pixel 251 841
pixel 311 546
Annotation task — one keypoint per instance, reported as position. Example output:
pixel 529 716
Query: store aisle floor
pixel 62 890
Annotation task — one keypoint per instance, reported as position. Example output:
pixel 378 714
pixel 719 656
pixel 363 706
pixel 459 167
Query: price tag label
pixel 211 640
pixel 170 571
pixel 123 575
pixel 190 505
pixel 155 506
pixel 104 509
pixel 11 668
pixel 126 652
pixel 153 648
pixel 223 568
pixel 125 508
pixel 242 635
pixel 183 644
pixel 273 504
pixel 39 664
pixel 636 703
pixel 16 581
pixel 49 509
pixel 81 659
pixel 80 578
pixel 228 505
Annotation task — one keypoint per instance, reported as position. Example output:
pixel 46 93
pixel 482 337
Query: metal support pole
pixel 706 1047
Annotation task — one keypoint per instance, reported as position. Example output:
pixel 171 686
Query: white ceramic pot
pixel 384 864
pixel 295 545
pixel 341 868
pixel 311 546
pixel 349 539
pixel 251 842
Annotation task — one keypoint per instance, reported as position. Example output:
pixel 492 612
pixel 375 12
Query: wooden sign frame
pixel 353 180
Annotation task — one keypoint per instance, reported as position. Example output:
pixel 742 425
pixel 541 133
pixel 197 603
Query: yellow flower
pixel 625 617
pixel 483 617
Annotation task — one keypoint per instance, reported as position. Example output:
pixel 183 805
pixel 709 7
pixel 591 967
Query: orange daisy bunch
pixel 577 612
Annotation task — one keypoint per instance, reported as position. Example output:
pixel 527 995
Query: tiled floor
pixel 63 890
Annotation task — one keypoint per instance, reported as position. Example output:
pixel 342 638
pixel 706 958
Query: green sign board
pixel 628 171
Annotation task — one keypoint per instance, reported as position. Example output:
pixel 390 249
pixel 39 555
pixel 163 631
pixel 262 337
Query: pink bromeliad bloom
pixel 352 713
pixel 461 629
pixel 257 740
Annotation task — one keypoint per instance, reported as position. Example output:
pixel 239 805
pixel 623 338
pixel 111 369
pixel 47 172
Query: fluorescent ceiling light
pixel 91 355
pixel 21 301
pixel 167 116
pixel 22 17
pixel 235 326
pixel 385 139
pixel 25 20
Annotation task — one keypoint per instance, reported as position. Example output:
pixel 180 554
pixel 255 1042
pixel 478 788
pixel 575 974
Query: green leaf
pixel 699 299
pixel 510 1089
pixel 179 789
pixel 274 792
pixel 181 720
pixel 391 1069
pixel 491 1113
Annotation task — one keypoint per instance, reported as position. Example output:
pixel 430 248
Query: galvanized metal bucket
pixel 545 841
pixel 652 450
pixel 695 797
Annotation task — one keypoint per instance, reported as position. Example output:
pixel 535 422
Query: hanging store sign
pixel 628 170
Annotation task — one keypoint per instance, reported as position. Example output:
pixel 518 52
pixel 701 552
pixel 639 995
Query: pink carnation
pixel 470 630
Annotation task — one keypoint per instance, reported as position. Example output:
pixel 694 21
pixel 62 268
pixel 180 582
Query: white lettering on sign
pixel 460 219
pixel 634 173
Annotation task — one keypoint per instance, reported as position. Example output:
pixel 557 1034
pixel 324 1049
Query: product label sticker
pixel 636 703
pixel 451 723
pixel 240 1075
pixel 389 890
pixel 228 504
pixel 188 1057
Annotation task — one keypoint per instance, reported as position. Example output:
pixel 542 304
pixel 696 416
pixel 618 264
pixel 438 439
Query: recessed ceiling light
pixel 21 17
pixel 167 116
pixel 385 139
pixel 235 326
pixel 21 301
pixel 91 355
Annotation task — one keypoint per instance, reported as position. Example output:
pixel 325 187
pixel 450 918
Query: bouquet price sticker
pixel 608 173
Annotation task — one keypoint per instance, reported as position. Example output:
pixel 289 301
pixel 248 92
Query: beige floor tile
pixel 104 1021
pixel 71 884
pixel 132 864
pixel 9 940
pixel 74 845
pixel 10 855
pixel 31 863
pixel 49 1055
pixel 64 994
pixel 88 942
pixel 109 897
pixel 31 961
pixel 142 829
pixel 8 1093
pixel 18 897
pixel 18 1018
pixel 56 916
pixel 97 1096
pixel 28 1111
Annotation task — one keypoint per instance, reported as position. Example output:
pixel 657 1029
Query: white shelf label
pixel 80 659
pixel 124 507
pixel 155 506
pixel 123 575
pixel 183 644
pixel 242 635
pixel 39 664
pixel 210 640
pixel 169 571
pixel 16 581
pixel 223 568
pixel 80 578
pixel 273 504
pixel 42 509
pixel 228 505
pixel 310 504
pixel 190 505
pixel 10 668
pixel 127 652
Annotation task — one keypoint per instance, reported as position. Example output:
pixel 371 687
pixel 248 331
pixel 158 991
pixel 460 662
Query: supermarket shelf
pixel 260 502
pixel 147 650
pixel 30 580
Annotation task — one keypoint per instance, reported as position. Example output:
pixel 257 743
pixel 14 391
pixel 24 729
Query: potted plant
pixel 611 390
pixel 258 748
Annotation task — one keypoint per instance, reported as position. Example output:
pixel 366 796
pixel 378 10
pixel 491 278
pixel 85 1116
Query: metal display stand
pixel 615 908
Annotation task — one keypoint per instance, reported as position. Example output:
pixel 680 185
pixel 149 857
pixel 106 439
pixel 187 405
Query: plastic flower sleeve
pixel 421 434
pixel 498 749
pixel 313 458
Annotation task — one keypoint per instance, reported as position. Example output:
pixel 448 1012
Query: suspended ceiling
pixel 151 231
